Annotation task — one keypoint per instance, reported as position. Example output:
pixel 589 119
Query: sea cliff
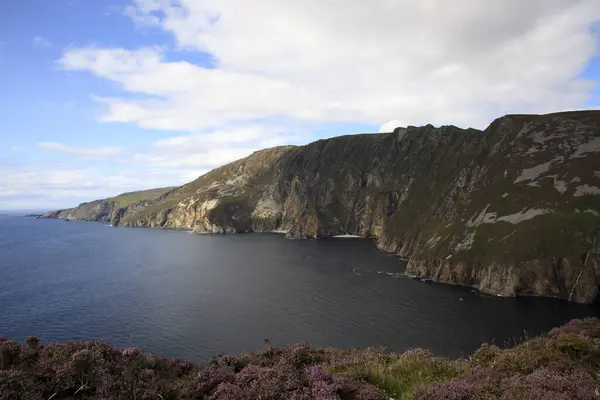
pixel 512 210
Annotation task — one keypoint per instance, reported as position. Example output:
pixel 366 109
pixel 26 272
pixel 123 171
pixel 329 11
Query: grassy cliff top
pixel 130 198
pixel 562 364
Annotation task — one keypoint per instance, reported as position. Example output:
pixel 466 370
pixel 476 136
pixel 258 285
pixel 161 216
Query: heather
pixel 562 364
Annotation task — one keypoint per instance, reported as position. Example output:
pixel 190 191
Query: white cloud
pixel 41 42
pixel 205 151
pixel 199 98
pixel 391 125
pixel 409 62
pixel 420 61
pixel 43 186
pixel 89 152
pixel 167 162
pixel 37 182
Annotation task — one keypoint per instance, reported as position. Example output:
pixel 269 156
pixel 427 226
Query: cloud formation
pixel 413 61
pixel 87 152
pixel 41 42
pixel 273 70
pixel 47 187
pixel 205 151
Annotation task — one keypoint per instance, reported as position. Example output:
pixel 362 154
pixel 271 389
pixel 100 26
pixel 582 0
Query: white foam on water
pixel 348 237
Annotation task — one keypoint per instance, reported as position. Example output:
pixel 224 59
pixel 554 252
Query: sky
pixel 103 97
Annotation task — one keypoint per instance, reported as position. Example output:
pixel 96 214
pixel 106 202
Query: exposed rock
pixel 582 190
pixel 111 209
pixel 529 174
pixel 522 215
pixel 435 195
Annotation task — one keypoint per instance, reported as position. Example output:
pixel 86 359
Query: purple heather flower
pixel 180 366
pixel 228 391
pixel 316 373
pixel 80 361
pixel 32 342
pixel 9 353
pixel 147 374
pixel 130 353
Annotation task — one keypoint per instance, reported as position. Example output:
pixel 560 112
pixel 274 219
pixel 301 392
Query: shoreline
pixel 403 259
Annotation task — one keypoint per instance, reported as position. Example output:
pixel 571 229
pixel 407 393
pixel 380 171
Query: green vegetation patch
pixel 400 376
pixel 128 199
pixel 542 236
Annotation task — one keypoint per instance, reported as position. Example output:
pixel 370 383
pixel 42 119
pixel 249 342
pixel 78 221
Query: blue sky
pixel 104 97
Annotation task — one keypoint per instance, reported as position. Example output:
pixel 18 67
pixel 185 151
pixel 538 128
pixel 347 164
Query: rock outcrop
pixel 111 209
pixel 512 210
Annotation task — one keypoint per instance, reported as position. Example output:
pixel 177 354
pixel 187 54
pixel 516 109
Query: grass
pixel 128 199
pixel 542 236
pixel 561 365
pixel 401 376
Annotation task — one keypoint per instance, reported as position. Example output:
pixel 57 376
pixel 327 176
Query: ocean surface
pixel 190 296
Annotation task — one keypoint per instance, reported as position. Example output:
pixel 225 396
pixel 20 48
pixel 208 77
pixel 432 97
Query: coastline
pixel 409 272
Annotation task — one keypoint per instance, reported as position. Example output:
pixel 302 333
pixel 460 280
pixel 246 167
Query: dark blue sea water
pixel 191 296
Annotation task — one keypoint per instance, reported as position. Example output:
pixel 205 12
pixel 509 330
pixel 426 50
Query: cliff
pixel 512 210
pixel 111 209
pixel 562 364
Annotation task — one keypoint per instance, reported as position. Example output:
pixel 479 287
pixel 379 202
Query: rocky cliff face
pixel 111 209
pixel 513 210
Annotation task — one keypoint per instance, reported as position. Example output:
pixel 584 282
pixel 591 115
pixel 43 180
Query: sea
pixel 185 295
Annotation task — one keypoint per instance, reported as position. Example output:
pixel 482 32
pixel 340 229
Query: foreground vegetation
pixel 561 365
